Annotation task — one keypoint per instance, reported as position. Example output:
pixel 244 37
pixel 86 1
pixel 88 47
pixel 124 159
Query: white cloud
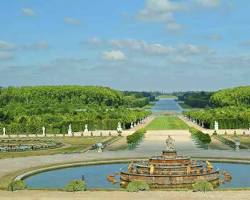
pixel 142 46
pixel 208 3
pixel 5 55
pixel 72 21
pixel 191 49
pixel 161 11
pixel 6 46
pixel 174 27
pixel 43 45
pixel 180 60
pixel 113 55
pixel 28 12
pixel 245 43
pixel 95 40
pixel 154 49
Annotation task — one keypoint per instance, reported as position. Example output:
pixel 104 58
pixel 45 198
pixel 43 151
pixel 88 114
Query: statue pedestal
pixel 169 154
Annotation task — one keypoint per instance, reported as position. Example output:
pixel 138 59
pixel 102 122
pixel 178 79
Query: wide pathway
pixel 114 195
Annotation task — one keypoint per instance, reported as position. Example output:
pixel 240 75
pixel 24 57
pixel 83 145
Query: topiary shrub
pixel 136 136
pixel 202 186
pixel 17 185
pixel 203 137
pixel 136 186
pixel 75 185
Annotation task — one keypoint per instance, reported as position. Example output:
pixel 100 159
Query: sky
pixel 150 45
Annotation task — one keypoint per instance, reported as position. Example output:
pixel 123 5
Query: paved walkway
pixel 159 195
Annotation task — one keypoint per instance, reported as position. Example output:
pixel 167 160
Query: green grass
pixel 164 96
pixel 167 123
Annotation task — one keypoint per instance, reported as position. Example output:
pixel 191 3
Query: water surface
pixel 167 105
pixel 96 176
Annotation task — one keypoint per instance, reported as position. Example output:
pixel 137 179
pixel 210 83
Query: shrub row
pixel 136 186
pixel 203 137
pixel 136 136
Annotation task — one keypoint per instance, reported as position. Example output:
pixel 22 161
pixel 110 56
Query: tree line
pixel 28 109
pixel 231 108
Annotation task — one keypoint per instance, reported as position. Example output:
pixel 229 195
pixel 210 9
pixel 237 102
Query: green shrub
pixel 75 185
pixel 202 186
pixel 203 137
pixel 136 136
pixel 17 185
pixel 136 186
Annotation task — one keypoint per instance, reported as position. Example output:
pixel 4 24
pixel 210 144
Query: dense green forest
pixel 195 99
pixel 239 96
pixel 28 109
pixel 231 109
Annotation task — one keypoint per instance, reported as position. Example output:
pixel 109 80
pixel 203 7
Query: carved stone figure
pixel 70 130
pixel 119 127
pixel 170 144
pixel 43 131
pixel 86 128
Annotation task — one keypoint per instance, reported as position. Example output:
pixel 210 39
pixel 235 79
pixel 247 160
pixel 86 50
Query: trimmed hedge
pixel 136 186
pixel 203 137
pixel 75 185
pixel 136 136
pixel 17 185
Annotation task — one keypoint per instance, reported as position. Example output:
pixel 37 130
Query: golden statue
pixel 152 169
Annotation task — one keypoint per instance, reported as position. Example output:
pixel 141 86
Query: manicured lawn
pixel 70 145
pixel 165 96
pixel 167 123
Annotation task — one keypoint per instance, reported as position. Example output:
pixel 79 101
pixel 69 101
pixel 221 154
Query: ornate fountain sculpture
pixel 170 170
pixel 170 144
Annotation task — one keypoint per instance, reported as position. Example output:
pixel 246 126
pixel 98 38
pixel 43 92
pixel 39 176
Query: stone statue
pixel 70 130
pixel 119 127
pixel 170 144
pixel 4 131
pixel 132 125
pixel 86 128
pixel 216 126
pixel 43 131
pixel 237 145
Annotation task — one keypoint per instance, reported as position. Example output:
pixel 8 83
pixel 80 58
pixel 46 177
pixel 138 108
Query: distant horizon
pixel 131 90
pixel 151 45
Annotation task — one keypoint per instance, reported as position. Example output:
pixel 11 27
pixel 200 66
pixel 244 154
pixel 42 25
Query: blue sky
pixel 170 45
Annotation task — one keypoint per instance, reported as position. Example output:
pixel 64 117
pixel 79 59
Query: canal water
pixel 96 176
pixel 167 105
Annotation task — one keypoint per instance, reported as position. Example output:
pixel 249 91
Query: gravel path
pixel 159 195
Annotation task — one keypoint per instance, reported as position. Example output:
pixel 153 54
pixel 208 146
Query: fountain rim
pixel 57 166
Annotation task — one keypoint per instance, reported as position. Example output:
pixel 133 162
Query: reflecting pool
pixel 96 176
pixel 167 105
